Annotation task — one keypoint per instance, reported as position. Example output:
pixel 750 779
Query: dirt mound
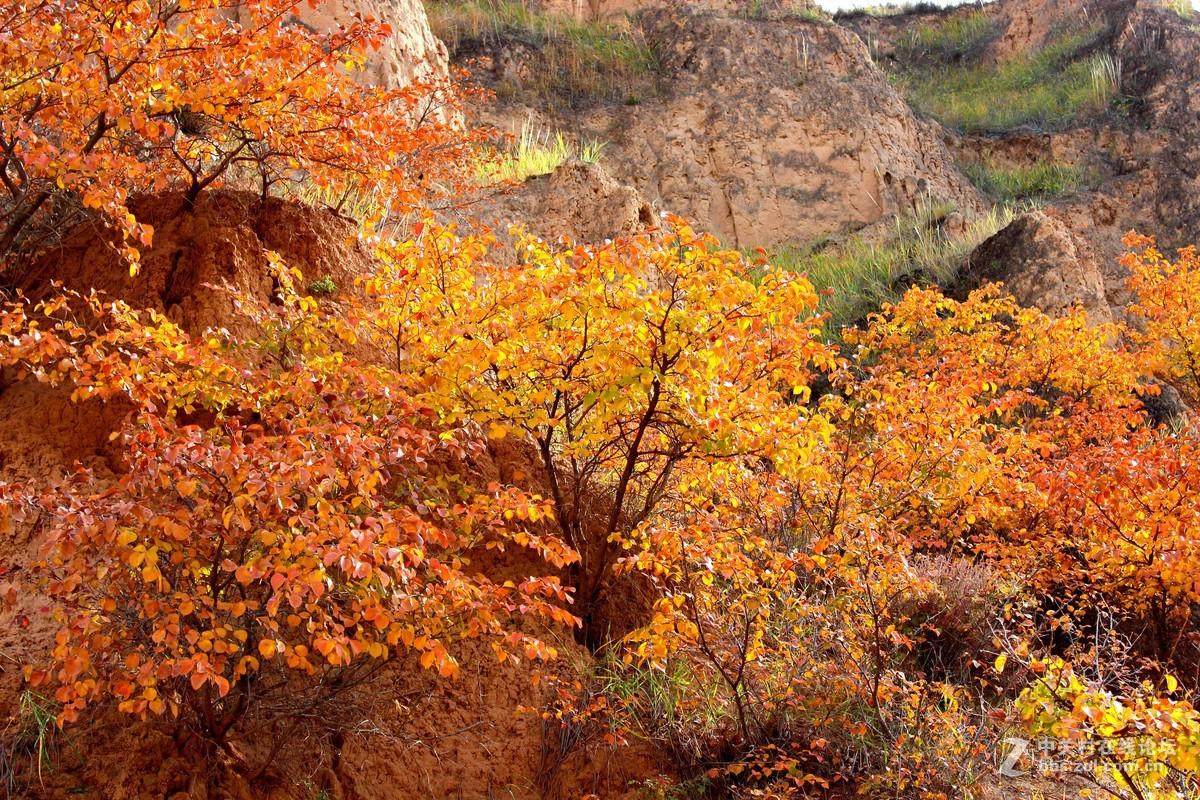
pixel 578 200
pixel 409 736
pixel 42 433
pixel 1043 264
pixel 221 241
pixel 775 131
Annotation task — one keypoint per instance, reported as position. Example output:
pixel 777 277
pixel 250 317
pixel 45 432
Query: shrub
pixel 1134 742
pixel 952 613
pixel 322 286
pixel 802 600
pixel 151 103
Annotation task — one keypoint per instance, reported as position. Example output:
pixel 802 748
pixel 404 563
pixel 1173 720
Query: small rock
pixel 1043 264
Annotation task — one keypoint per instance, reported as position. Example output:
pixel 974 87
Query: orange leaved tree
pixel 286 525
pixel 1168 308
pixel 99 101
pixel 630 369
pixel 791 603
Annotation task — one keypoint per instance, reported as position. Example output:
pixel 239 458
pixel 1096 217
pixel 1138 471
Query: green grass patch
pixel 1183 8
pixel 35 738
pixel 783 9
pixel 949 40
pixel 573 62
pixel 860 275
pixel 1047 90
pixel 1044 180
pixel 535 152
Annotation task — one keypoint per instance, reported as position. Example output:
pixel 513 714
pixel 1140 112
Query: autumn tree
pixel 101 101
pixel 630 368
pixel 1167 292
pixel 795 596
pixel 281 530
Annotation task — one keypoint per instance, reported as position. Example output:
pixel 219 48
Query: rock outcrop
pixel 580 201
pixel 412 53
pixel 762 131
pixel 775 131
pixel 1043 264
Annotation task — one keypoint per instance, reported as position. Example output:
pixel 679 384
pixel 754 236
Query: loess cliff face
pixel 410 54
pixel 762 131
pixel 774 131
pixel 1145 159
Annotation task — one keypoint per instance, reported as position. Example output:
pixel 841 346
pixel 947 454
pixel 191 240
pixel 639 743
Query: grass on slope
pixel 1044 180
pixel 1047 90
pixel 862 275
pixel 573 62
pixel 887 10
pixel 782 9
pixel 536 152
pixel 949 40
pixel 1183 8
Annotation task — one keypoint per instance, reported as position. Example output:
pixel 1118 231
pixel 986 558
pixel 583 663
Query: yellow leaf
pixel 1001 660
